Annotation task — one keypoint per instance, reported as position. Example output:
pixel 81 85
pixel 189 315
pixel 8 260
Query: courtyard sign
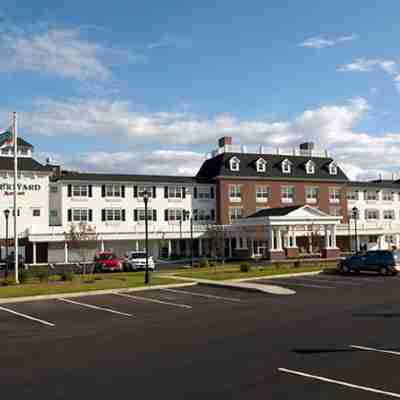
pixel 8 188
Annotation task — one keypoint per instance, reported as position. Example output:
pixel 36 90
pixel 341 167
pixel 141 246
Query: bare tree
pixel 81 238
pixel 216 235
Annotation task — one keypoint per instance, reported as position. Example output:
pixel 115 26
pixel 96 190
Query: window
pixel 174 214
pixel 334 195
pixel 175 192
pixel 371 214
pixel 287 194
pixel 261 165
pixel 310 167
pixel 234 163
pixel 311 194
pixel 203 215
pixel 371 195
pixel 23 151
pixel 387 196
pixel 262 193
pixel 142 189
pixel 113 191
pixel 352 195
pixel 80 214
pixel 36 212
pixel 388 214
pixel 4 151
pixel 203 193
pixel 80 190
pixel 235 213
pixel 141 214
pixel 333 168
pixel 113 214
pixel 53 214
pixel 53 189
pixel 234 193
pixel 286 166
pixel 335 211
pixel 391 239
pixel 350 215
pixel 18 212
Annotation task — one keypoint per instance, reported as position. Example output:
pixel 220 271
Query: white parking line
pixel 41 321
pixel 396 353
pixel 341 383
pixel 94 307
pixel 206 295
pixel 283 283
pixel 152 300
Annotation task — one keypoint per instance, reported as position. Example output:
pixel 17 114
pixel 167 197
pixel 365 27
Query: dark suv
pixel 382 261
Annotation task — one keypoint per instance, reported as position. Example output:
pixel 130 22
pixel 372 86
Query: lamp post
pixel 186 215
pixel 146 196
pixel 355 215
pixel 6 214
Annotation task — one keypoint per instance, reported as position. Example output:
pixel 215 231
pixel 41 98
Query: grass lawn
pixel 80 283
pixel 221 273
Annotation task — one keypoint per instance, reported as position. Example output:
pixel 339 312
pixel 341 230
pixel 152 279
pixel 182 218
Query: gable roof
pixel 7 136
pixel 218 166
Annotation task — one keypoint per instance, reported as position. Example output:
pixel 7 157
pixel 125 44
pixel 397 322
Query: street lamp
pixel 6 214
pixel 146 196
pixel 186 215
pixel 355 215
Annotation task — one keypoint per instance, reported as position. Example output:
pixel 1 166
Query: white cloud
pixel 169 40
pixel 61 52
pixel 321 42
pixel 331 127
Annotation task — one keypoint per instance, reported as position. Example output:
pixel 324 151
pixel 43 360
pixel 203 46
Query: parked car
pixel 107 261
pixel 136 260
pixel 383 261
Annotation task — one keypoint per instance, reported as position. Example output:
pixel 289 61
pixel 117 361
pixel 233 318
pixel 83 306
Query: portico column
pixel 169 248
pixel 279 240
pixel 102 245
pixel 251 247
pixel 137 245
pixel 237 241
pixel 333 233
pixel 326 237
pixel 200 247
pixel 66 252
pixel 34 253
pixel 230 247
pixel 271 239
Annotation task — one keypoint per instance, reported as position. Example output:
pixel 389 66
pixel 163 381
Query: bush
pixel 244 267
pixel 204 263
pixel 98 278
pixel 196 265
pixel 8 281
pixel 67 276
pixel 43 276
pixel 25 276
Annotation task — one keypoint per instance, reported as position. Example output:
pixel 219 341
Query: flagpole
pixel 15 138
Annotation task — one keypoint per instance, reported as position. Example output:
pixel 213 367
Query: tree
pixel 216 235
pixel 81 238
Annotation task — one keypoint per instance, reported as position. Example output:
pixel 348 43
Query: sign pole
pixel 15 196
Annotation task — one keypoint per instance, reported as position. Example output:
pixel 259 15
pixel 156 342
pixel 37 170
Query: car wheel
pixel 345 269
pixel 384 271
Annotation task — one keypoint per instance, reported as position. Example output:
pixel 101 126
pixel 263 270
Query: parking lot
pixel 337 337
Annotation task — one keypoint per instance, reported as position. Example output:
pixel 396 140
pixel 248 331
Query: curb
pixel 269 289
pixel 23 299
pixel 275 276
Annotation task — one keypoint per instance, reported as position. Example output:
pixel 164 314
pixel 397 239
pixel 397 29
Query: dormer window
pixel 234 164
pixel 333 168
pixel 261 165
pixel 310 167
pixel 286 166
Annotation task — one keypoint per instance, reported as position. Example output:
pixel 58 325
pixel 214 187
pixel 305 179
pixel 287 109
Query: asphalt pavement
pixel 336 338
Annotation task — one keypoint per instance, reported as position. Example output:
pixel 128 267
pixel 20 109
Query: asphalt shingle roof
pixel 275 212
pixel 24 164
pixel 219 166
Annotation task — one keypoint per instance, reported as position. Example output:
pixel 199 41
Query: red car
pixel 107 261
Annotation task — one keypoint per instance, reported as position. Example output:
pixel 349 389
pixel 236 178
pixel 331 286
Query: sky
pixel 148 87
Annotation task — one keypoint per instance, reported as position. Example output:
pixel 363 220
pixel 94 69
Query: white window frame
pixel 286 166
pixel 113 190
pixel 388 194
pixel 234 164
pixel 175 192
pixel 80 190
pixel 235 194
pixel 389 215
pixel 113 214
pixel 142 189
pixel 310 167
pixel 175 215
pixel 333 168
pixel 141 214
pixel 334 195
pixel 262 194
pixel 261 165
pixel 352 195
pixel 53 213
pixel 53 189
pixel 203 193
pixel 287 194
pixel 80 215
pixel 371 195
pixel 311 194
pixel 235 213
pixel 368 215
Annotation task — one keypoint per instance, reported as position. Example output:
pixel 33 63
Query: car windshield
pixel 105 257
pixel 137 255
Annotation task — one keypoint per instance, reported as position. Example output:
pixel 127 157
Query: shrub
pixel 67 276
pixel 196 265
pixel 244 267
pixel 204 263
pixel 8 281
pixel 25 276
pixel 43 276
pixel 98 278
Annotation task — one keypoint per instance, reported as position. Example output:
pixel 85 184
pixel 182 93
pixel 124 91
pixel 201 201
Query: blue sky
pixel 148 87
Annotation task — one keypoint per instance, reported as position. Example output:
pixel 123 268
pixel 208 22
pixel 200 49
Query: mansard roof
pixel 218 166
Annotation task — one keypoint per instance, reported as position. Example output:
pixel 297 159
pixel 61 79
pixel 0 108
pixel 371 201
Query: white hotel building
pixel 50 199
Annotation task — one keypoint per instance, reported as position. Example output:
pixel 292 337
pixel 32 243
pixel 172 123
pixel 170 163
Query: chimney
pixel 225 141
